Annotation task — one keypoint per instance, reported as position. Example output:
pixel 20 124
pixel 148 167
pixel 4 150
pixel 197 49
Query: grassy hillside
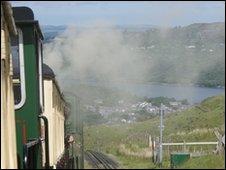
pixel 195 124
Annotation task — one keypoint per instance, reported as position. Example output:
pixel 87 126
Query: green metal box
pixel 178 158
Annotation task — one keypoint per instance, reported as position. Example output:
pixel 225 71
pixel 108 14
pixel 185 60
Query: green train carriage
pixel 29 96
pixel 28 91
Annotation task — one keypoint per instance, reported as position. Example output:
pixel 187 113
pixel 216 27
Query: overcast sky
pixel 126 12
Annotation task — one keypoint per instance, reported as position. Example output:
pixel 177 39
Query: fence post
pixel 168 150
pixel 184 147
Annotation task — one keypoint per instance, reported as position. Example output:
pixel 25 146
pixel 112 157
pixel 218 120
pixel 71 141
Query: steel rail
pixel 91 159
pixel 98 158
pixel 101 160
pixel 109 161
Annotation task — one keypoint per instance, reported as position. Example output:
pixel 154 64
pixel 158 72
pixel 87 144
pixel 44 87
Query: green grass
pixel 194 124
pixel 129 162
pixel 205 162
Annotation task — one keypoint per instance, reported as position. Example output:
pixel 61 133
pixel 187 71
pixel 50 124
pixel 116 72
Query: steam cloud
pixel 98 52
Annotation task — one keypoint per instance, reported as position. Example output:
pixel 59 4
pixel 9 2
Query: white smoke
pixel 96 52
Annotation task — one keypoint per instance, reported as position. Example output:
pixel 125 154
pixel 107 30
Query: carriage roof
pixel 25 16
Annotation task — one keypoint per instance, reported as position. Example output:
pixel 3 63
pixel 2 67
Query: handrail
pixel 46 139
pixel 25 151
pixel 32 143
pixel 190 143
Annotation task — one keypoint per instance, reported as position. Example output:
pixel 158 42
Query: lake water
pixel 193 94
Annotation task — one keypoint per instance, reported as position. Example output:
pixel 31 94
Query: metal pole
pixel 161 129
pixel 81 133
pixel 78 128
pixel 74 118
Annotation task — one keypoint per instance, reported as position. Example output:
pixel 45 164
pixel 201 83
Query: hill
pixel 190 54
pixel 195 124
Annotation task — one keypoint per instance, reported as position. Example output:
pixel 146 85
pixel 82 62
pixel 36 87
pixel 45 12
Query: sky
pixel 158 13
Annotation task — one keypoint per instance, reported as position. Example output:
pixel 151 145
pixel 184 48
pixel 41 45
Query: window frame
pixel 40 70
pixel 22 70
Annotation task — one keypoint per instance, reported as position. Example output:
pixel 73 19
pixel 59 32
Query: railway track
pixel 100 160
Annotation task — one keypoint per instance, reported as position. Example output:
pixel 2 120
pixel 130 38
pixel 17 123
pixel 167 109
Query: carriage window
pixel 17 93
pixel 18 70
pixel 15 56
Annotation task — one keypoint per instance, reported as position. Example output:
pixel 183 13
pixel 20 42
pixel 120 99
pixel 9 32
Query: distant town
pixel 124 112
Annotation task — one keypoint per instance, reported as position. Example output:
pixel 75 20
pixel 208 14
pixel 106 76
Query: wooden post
pixel 149 141
pixel 154 151
pixel 150 144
